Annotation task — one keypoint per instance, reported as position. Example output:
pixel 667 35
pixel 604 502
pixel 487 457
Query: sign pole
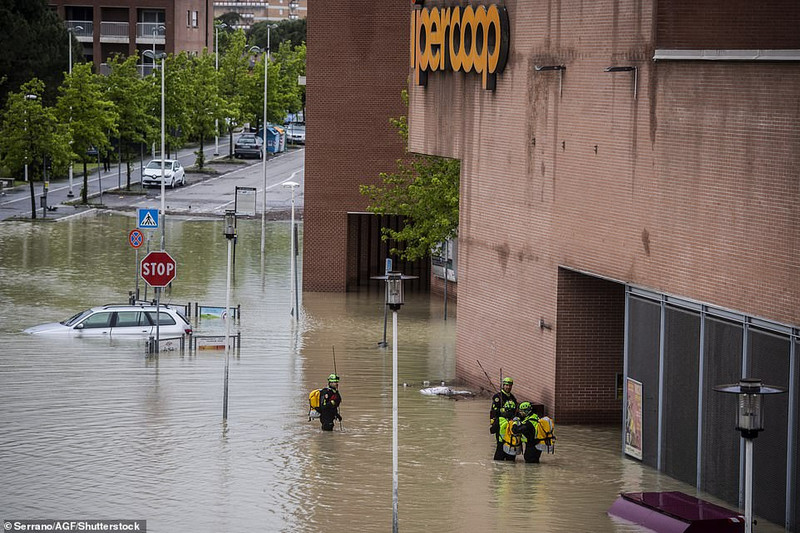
pixel 136 274
pixel 158 318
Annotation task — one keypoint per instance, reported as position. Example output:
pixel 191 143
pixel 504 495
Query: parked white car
pixel 174 173
pixel 119 321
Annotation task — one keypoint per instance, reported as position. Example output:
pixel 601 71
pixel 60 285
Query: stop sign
pixel 158 269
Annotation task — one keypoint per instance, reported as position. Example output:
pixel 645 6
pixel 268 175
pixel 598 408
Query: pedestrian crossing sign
pixel 148 218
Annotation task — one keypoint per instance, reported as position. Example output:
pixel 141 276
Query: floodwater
pixel 96 429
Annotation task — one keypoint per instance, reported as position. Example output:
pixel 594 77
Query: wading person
pixel 498 401
pixel 329 401
pixel 527 429
pixel 509 444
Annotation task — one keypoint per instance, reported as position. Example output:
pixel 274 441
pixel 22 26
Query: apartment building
pixel 129 26
pixel 252 11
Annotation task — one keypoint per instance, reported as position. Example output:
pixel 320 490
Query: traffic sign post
pixel 136 239
pixel 158 269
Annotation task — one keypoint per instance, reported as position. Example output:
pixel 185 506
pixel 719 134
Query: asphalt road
pixel 208 193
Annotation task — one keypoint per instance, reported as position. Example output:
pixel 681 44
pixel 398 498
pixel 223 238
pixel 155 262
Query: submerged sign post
pixel 158 269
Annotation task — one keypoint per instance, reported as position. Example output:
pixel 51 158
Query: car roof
pixel 128 307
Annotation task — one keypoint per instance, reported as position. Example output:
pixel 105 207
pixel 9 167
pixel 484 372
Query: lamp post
pixel 230 234
pixel 395 300
pixel 749 421
pixel 293 256
pixel 264 139
pixel 163 57
pixel 70 194
pixel 216 50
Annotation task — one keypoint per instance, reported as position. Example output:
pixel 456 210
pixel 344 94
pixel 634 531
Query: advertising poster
pixel 633 420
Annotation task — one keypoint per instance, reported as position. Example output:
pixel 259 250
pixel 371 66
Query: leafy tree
pixel 254 94
pixel 293 31
pixel 31 133
pixel 424 190
pixel 292 62
pixel 34 43
pixel 230 19
pixel 90 115
pixel 233 69
pixel 132 100
pixel 206 106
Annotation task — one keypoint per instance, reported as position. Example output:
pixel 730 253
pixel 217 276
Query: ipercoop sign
pixel 460 38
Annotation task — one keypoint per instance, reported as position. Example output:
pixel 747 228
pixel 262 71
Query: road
pixel 209 193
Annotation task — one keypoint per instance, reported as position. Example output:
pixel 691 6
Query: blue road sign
pixel 388 265
pixel 148 218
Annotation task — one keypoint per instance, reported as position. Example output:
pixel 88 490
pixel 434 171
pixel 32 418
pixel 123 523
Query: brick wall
pixel 356 66
pixel 685 184
pixel 590 348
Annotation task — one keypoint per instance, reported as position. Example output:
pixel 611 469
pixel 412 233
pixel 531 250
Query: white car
pixel 173 173
pixel 296 133
pixel 120 321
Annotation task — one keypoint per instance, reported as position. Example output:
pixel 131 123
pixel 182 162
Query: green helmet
pixel 333 378
pixel 509 407
pixel 525 407
pixel 508 381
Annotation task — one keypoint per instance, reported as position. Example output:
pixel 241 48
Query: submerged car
pixel 173 173
pixel 120 321
pixel 249 145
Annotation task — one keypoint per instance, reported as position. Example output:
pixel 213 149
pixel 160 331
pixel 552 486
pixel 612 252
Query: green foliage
pixel 132 100
pixel 34 43
pixel 292 62
pixel 293 31
pixel 89 115
pixel 205 104
pixel 31 132
pixel 233 71
pixel 424 190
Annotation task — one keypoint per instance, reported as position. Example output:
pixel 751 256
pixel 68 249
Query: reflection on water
pixel 96 429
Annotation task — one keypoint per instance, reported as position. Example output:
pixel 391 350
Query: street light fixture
pixel 293 257
pixel 163 57
pixel 395 300
pixel 156 30
pixel 749 421
pixel 70 30
pixel 216 50
pixel 230 234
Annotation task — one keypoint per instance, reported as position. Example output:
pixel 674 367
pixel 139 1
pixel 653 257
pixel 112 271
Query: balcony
pixel 83 30
pixel 114 32
pixel 150 33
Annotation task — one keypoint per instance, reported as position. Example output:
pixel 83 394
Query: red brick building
pixel 630 206
pixel 127 26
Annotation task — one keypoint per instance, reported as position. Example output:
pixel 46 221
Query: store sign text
pixel 460 38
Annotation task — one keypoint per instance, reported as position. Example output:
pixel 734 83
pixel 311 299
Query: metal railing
pixel 117 30
pixel 145 30
pixel 81 28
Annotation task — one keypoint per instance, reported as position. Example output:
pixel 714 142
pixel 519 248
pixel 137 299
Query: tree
pixel 129 93
pixel 423 190
pixel 90 115
pixel 31 133
pixel 254 94
pixel 206 106
pixel 293 31
pixel 35 43
pixel 292 63
pixel 233 68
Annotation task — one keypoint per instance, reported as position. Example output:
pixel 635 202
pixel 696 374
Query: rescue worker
pixel 526 428
pixel 498 401
pixel 509 445
pixel 329 400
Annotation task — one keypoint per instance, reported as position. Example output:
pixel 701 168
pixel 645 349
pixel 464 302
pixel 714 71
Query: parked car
pixel 249 145
pixel 119 321
pixel 174 173
pixel 296 133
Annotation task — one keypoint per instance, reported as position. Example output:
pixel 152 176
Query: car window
pixel 98 320
pixel 76 318
pixel 154 164
pixel 131 319
pixel 164 318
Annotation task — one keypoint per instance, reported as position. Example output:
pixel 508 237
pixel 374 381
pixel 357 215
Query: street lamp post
pixel 163 57
pixel 70 194
pixel 394 300
pixel 216 50
pixel 293 257
pixel 749 421
pixel 264 139
pixel 230 234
